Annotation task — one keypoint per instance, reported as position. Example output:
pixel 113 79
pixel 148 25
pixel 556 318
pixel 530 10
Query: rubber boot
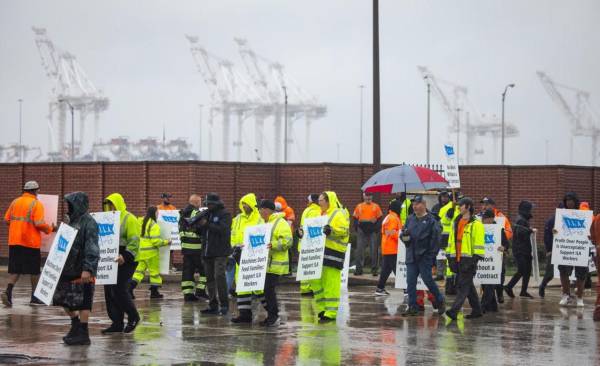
pixel 74 325
pixel 154 294
pixel 245 316
pixel 81 336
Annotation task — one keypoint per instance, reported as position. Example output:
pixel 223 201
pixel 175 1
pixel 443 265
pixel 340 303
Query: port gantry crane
pixel 475 124
pixel 582 117
pixel 71 86
pixel 230 94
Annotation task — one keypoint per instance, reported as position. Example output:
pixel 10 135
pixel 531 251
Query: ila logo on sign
pixel 489 238
pixel 449 150
pixel 314 232
pixel 62 244
pixel 257 240
pixel 170 219
pixel 573 223
pixel 106 229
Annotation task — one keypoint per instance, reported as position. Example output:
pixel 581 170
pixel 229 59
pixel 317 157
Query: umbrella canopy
pixel 404 178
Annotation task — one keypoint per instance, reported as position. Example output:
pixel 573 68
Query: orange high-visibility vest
pixel 26 219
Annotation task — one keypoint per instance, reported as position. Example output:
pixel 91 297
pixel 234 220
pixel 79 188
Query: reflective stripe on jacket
pixel 473 239
pixel 336 243
pixel 445 220
pixel 151 241
pixel 281 241
pixel 129 240
pixel 190 240
pixel 26 219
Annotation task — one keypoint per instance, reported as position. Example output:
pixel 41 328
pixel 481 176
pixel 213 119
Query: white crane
pixel 230 93
pixel 269 80
pixel 584 120
pixel 72 86
pixel 460 103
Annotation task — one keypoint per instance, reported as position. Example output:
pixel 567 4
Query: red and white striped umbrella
pixel 404 178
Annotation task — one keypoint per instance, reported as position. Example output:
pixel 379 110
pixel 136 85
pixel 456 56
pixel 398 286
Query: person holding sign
pixel 327 289
pixel 390 230
pixel 311 211
pixel 421 236
pixel 118 297
pixel 248 216
pixel 149 257
pixel 522 250
pixel 466 246
pixel 25 218
pixel 489 302
pixel 75 289
pixel 571 202
pixel 281 242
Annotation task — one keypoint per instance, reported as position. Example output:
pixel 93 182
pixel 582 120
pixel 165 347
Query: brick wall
pixel 141 183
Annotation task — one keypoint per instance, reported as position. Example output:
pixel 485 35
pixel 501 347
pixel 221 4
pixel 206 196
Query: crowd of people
pixel 444 242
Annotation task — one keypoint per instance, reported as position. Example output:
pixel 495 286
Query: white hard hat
pixel 31 185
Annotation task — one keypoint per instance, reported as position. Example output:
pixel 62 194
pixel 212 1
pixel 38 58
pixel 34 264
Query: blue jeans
pixel 422 267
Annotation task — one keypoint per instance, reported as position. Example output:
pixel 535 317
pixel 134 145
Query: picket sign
pixel 254 258
pixel 57 256
pixel 108 240
pixel 312 249
pixel 50 203
pixel 168 220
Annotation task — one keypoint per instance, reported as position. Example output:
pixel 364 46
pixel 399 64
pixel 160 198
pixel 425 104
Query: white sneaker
pixel 380 292
pixel 580 302
pixel 565 300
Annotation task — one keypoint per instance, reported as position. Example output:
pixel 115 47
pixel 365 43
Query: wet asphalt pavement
pixel 369 331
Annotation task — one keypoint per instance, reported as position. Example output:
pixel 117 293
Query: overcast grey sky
pixel 135 51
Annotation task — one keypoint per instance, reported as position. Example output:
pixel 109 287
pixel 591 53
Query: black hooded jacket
pixel 216 234
pixel 522 232
pixel 85 252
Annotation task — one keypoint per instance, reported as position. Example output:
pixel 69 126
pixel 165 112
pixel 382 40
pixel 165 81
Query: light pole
pixel 376 95
pixel 72 127
pixel 20 130
pixel 285 125
pixel 503 99
pixel 428 119
pixel 362 88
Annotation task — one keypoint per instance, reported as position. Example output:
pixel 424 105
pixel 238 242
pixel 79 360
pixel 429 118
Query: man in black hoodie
pixel 75 289
pixel 522 250
pixel 216 235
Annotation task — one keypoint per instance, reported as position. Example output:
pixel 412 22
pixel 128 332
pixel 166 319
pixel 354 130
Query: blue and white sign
pixel 312 249
pixel 57 256
pixel 168 220
pixel 451 172
pixel 571 245
pixel 109 230
pixel 254 258
pixel 489 269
